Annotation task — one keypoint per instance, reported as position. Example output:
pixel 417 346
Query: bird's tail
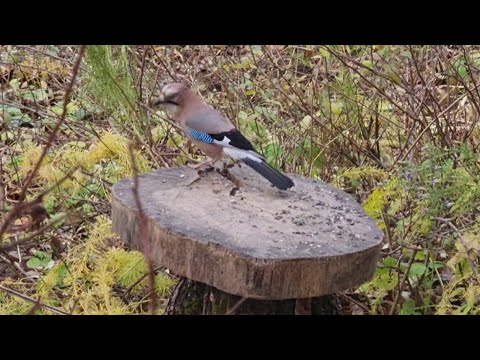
pixel 277 179
pixel 258 163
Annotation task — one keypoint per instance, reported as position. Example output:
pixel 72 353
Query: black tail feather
pixel 277 179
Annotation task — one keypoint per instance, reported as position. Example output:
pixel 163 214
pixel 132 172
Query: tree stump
pixel 257 250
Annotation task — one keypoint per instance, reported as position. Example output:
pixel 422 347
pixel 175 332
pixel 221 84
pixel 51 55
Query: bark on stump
pixel 253 251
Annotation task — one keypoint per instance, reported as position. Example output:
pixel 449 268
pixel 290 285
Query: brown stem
pixel 144 235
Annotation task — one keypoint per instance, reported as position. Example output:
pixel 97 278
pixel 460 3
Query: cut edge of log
pixel 262 279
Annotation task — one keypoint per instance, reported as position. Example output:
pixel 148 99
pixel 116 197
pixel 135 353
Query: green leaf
pixel 274 151
pixel 420 255
pixel 242 115
pixel 324 53
pixel 40 259
pixel 337 108
pixel 14 84
pixel 80 114
pixel 51 204
pixel 58 216
pixel 265 111
pixel 35 95
pixel 459 65
pixel 88 208
pixel 18 121
pixel 305 123
pixel 409 308
pixel 386 280
pixel 400 228
pixel 417 269
pixel 406 54
pixel 12 110
pixel 250 118
pixel 390 262
pixel 368 64
pixel 436 265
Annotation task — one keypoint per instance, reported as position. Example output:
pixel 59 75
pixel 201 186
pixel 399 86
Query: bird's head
pixel 172 96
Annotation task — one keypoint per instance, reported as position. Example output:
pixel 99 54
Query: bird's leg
pixel 229 165
pixel 199 165
pixel 213 161
pixel 210 162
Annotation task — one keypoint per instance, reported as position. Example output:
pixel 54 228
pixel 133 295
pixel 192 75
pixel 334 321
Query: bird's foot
pixel 227 166
pixel 212 162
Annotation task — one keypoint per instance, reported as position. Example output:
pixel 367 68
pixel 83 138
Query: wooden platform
pixel 259 242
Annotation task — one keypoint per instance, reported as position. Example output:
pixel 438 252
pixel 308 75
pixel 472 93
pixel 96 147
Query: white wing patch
pixel 225 142
pixel 238 154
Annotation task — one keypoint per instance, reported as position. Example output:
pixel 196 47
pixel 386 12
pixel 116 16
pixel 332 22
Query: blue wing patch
pixel 198 135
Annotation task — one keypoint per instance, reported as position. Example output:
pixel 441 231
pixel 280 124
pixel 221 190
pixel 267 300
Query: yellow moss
pixel 100 232
pixel 31 69
pixel 375 203
pixel 464 288
pixel 50 280
pixel 89 278
pixel 11 305
pixel 55 166
pixel 110 147
pixel 104 280
pixel 94 302
pixel 115 146
pixel 158 133
pixel 31 154
pixel 380 198
pixel 128 266
pixel 424 224
pixel 164 284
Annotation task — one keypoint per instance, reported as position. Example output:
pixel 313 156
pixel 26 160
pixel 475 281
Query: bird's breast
pixel 213 151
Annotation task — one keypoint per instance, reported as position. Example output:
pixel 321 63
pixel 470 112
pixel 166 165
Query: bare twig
pixel 2 185
pixel 402 282
pixel 462 240
pixel 172 76
pixel 404 155
pixel 33 301
pixel 9 260
pixel 21 205
pixel 34 308
pixel 170 308
pixel 37 50
pixel 139 281
pixel 356 302
pixel 60 121
pixel 144 234
pixel 13 244
pixel 234 308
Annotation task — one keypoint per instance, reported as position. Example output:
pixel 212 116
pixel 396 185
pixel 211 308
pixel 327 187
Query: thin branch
pixel 404 155
pixel 60 121
pixel 144 234
pixel 462 240
pixel 139 281
pixel 33 301
pixel 21 205
pixel 234 308
pixel 13 244
pixel 402 282
pixel 356 302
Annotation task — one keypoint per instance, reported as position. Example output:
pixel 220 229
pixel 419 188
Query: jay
pixel 214 134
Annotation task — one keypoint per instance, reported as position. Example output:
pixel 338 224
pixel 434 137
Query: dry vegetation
pixel 397 126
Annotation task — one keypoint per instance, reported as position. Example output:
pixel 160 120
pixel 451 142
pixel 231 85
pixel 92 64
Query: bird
pixel 213 133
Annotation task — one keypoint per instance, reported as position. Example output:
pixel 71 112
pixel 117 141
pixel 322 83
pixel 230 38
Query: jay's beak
pixel 158 101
